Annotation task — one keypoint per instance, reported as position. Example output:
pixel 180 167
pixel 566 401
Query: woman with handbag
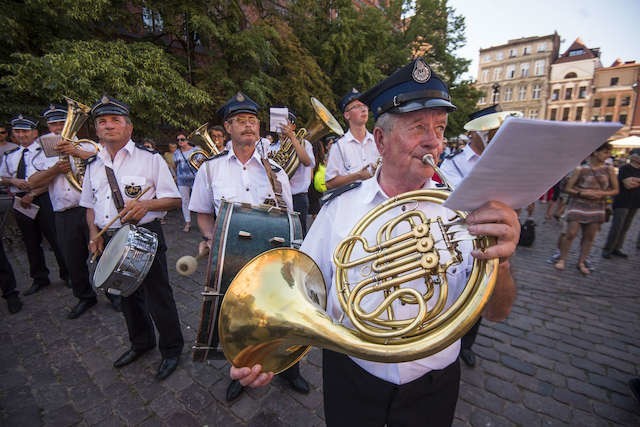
pixel 185 175
pixel 589 187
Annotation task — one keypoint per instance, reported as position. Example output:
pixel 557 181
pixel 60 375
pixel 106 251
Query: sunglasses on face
pixel 181 139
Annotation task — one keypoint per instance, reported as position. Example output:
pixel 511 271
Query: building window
pixel 526 50
pixel 555 95
pixel 623 119
pixel 542 47
pixel 536 92
pixel 539 68
pixel 512 53
pixel 608 118
pixel 565 114
pixel 152 21
pixel 508 94
pixel 487 57
pixel 522 93
pixel 625 101
pixel 582 92
pixel 482 100
pixel 597 102
pixel 611 102
pixel 595 118
pixel 614 81
pixel 496 73
pixel 524 69
pixel 485 75
pixel 552 116
pixel 571 75
pixel 576 52
pixel 579 114
pixel 495 97
pixel 511 71
pixel 499 56
pixel 568 92
pixel 533 114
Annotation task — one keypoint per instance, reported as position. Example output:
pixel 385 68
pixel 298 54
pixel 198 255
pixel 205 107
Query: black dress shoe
pixel 35 287
pixel 82 306
pixel 129 356
pixel 299 384
pixel 618 253
pixel 634 385
pixel 13 303
pixel 233 390
pixel 468 357
pixel 167 366
pixel 116 302
pixel 606 254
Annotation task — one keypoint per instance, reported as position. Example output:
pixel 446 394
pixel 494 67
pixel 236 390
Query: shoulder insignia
pixel 142 147
pixel 92 159
pixel 330 195
pixel 13 150
pixel 220 154
pixel 453 154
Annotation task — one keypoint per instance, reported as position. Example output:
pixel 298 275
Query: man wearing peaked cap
pixel 354 156
pixel 114 184
pixel 411 108
pixel 17 167
pixel 70 218
pixel 240 175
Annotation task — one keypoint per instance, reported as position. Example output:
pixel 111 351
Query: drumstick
pixel 106 227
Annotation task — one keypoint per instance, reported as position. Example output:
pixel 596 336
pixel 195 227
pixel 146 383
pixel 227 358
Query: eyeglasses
pixel 357 107
pixel 181 139
pixel 245 121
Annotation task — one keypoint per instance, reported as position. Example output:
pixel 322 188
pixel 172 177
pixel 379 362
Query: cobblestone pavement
pixel 563 357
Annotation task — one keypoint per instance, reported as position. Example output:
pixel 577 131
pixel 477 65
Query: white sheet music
pixel 31 211
pixel 525 158
pixel 277 118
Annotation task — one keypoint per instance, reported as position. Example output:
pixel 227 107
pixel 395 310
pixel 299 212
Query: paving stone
pixel 62 417
pixel 503 389
pixel 195 398
pixel 518 365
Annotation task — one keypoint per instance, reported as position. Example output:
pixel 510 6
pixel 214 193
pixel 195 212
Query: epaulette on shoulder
pixel 330 195
pixel 142 147
pixel 220 154
pixel 453 154
pixel 92 159
pixel 13 150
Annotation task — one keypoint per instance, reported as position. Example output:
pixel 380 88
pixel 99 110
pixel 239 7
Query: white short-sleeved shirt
pixel 225 177
pixel 457 166
pixel 348 155
pixel 63 195
pixel 9 167
pixel 302 176
pixel 322 240
pixel 135 169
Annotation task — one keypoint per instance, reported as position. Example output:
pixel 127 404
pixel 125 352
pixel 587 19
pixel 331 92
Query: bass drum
pixel 241 232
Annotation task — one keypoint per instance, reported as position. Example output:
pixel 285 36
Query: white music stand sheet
pixel 277 118
pixel 525 158
pixel 48 143
pixel 31 211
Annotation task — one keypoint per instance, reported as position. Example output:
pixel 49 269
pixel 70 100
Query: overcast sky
pixel 611 25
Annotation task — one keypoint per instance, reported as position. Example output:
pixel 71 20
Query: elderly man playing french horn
pixel 410 108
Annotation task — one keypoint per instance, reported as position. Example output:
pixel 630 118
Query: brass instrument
pixel 206 150
pixel 275 308
pixel 287 157
pixel 77 114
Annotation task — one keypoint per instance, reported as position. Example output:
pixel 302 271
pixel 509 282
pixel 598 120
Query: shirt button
pixel 247 189
pixel 244 168
pixel 106 216
pixel 107 197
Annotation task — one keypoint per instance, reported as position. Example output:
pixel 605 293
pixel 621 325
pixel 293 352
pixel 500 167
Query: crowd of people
pixel 129 183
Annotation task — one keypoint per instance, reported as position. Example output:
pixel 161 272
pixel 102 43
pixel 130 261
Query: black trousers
pixel 7 278
pixel 354 397
pixel 470 337
pixel 301 205
pixel 32 231
pixel 622 219
pixel 153 303
pixel 73 236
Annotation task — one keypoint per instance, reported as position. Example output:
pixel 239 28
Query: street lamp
pixel 496 91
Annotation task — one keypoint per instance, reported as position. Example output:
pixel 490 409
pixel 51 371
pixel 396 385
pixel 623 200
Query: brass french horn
pixel 275 308
pixel 206 150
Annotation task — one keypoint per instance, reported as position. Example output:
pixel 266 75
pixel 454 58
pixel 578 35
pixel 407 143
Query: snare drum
pixel 241 232
pixel 126 260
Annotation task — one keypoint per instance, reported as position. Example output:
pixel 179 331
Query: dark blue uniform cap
pixel 413 87
pixel 109 106
pixel 495 108
pixel 240 103
pixel 55 113
pixel 353 95
pixel 23 122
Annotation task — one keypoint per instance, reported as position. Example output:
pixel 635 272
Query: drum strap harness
pixel 115 189
pixel 275 185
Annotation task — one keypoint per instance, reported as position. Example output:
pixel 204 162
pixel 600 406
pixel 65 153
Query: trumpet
pixel 207 150
pixel 187 265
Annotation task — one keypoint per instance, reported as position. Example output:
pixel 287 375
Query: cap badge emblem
pixel 240 97
pixel 421 72
pixel 105 99
pixel 20 117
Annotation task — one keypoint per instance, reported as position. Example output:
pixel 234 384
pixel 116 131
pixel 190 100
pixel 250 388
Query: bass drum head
pixel 111 256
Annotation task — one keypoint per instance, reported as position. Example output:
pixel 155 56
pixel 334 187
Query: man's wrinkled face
pixel 24 137
pixel 113 129
pixel 55 127
pixel 243 128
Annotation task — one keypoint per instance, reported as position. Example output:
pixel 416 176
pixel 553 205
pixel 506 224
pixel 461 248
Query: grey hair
pixel 386 121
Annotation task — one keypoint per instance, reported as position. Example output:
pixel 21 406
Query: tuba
pixel 77 114
pixel 207 150
pixel 287 157
pixel 275 308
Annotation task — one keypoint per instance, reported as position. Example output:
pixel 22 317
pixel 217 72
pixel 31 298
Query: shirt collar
pixel 368 138
pixel 103 154
pixel 255 155
pixel 468 152
pixel 374 193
